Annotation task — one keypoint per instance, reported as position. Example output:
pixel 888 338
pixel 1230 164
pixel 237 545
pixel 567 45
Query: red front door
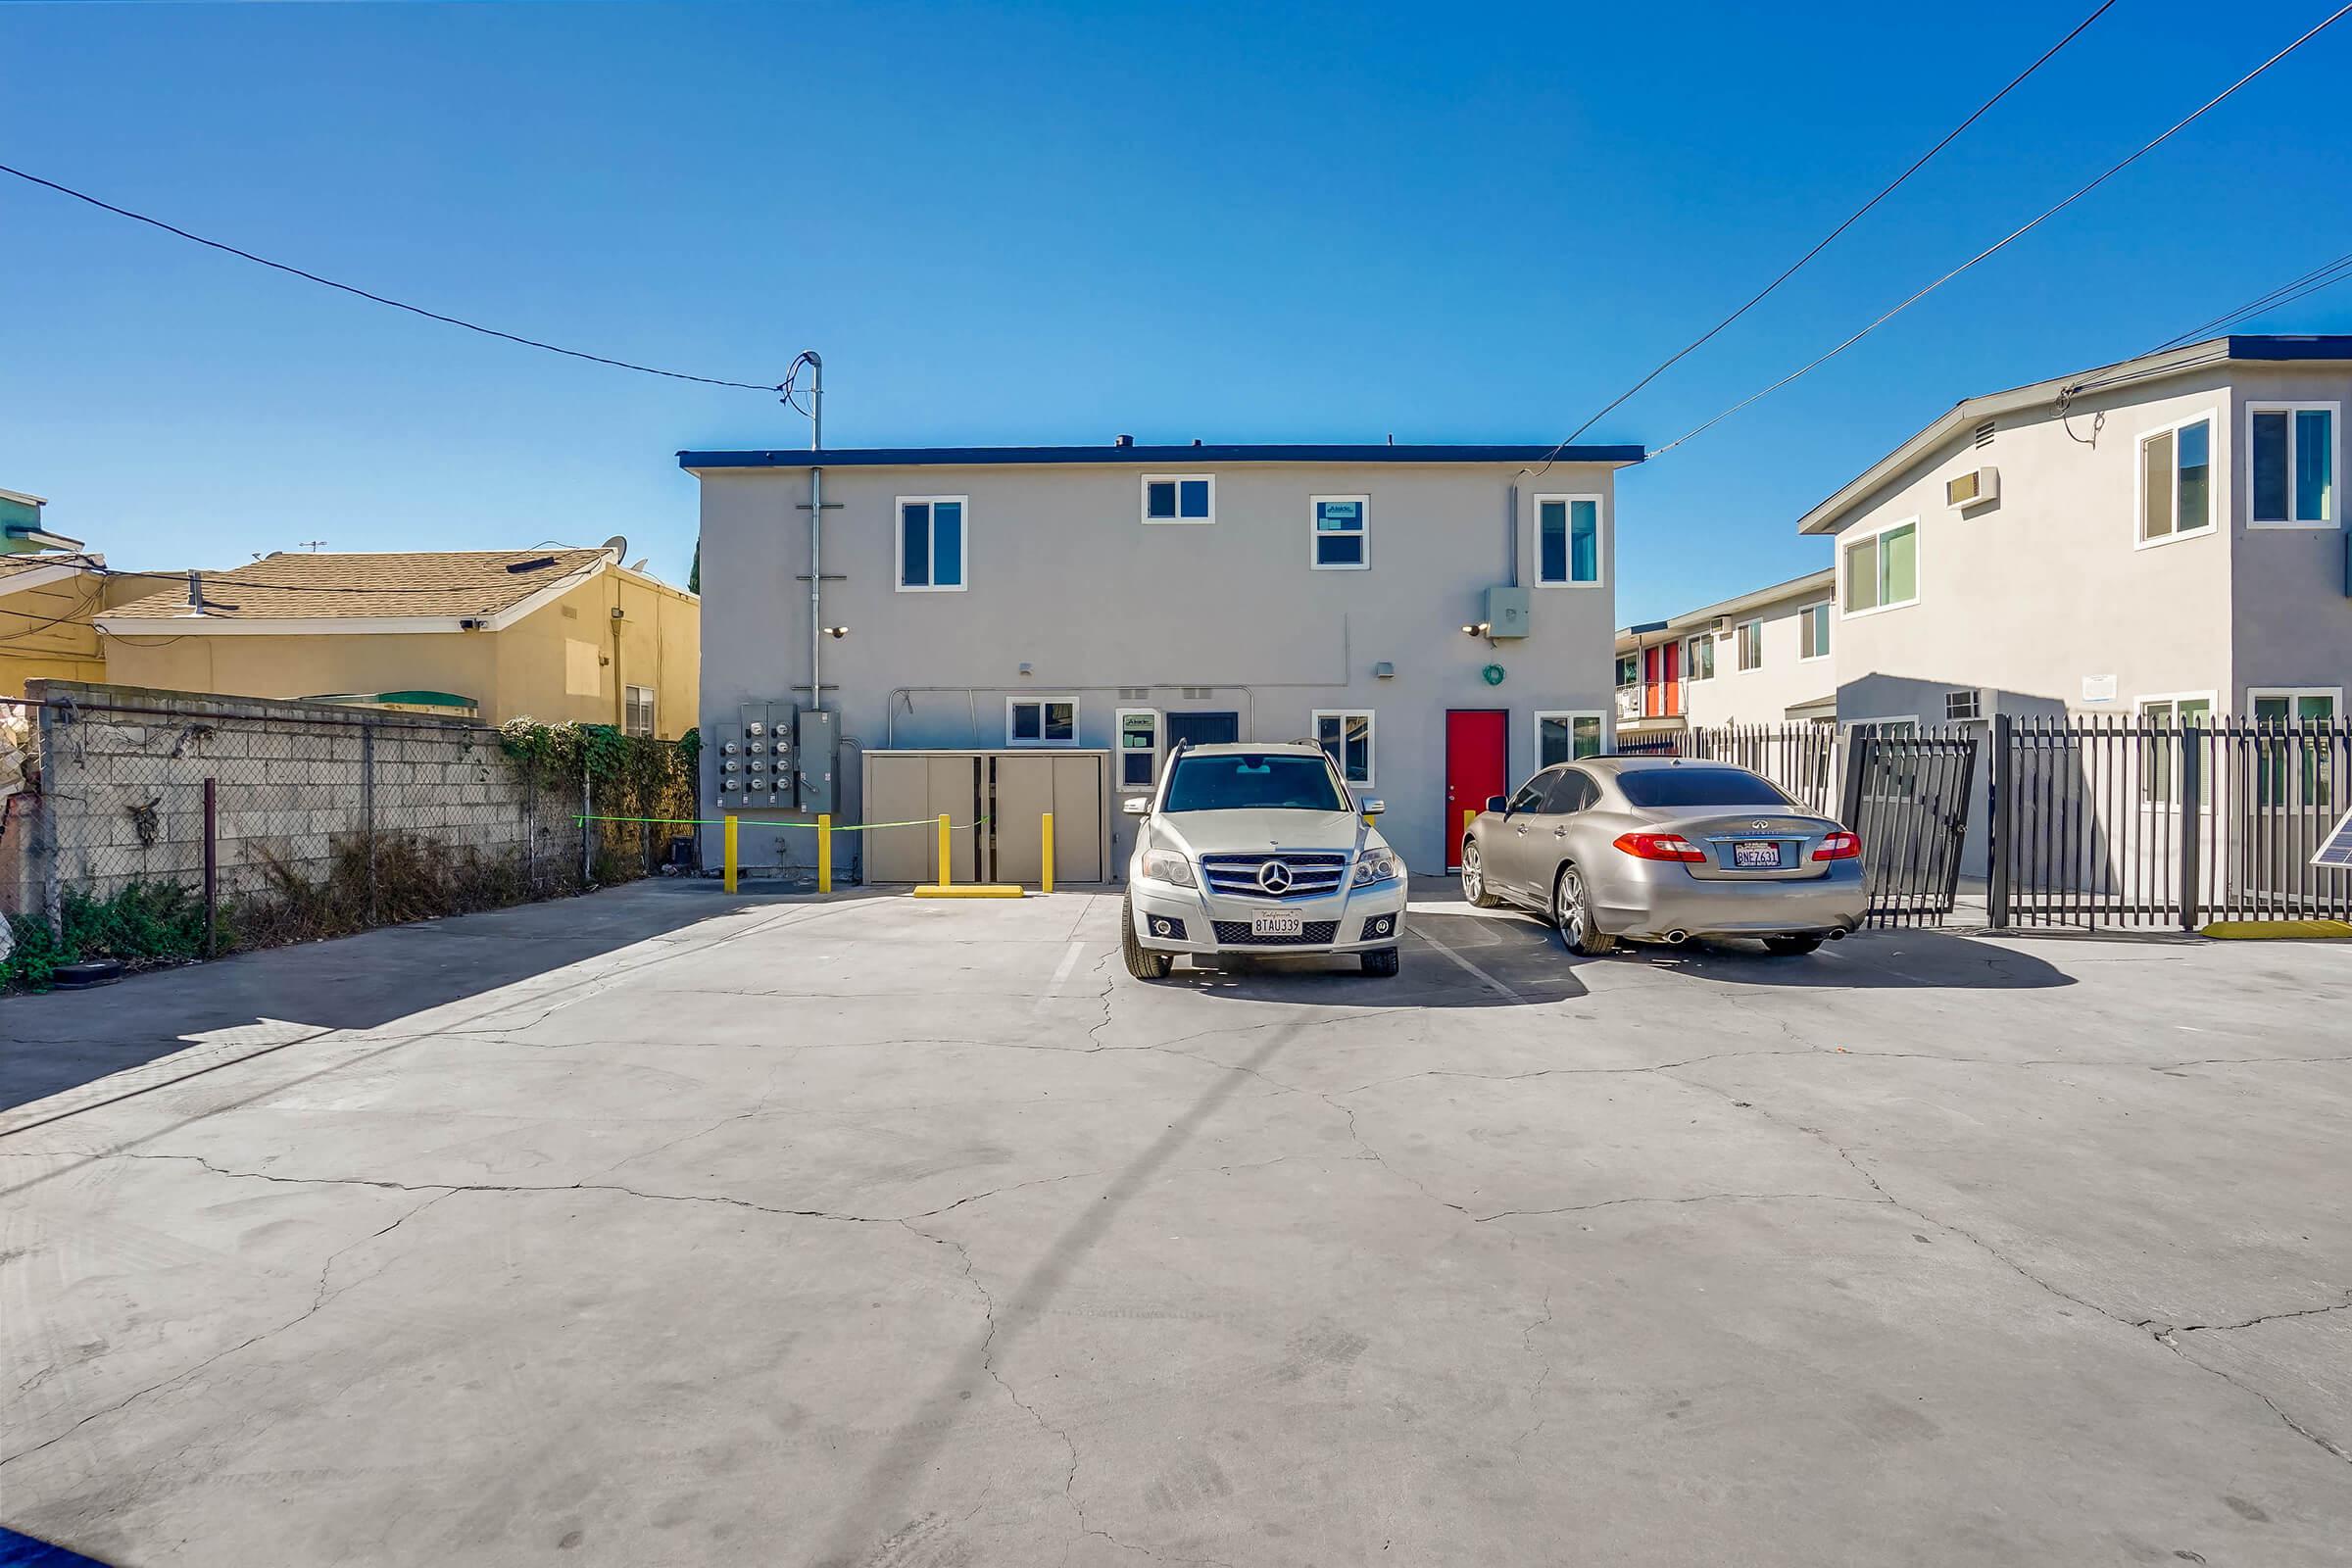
pixel 1478 764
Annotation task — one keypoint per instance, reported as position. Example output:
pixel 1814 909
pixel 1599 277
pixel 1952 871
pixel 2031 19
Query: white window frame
pixel 1739 645
pixel 1571 715
pixel 2325 776
pixel 1919 576
pixel 1601 539
pixel 898 547
pixel 2216 486
pixel 1143 500
pixel 2335 469
pixel 1691 647
pixel 1118 747
pixel 628 702
pixel 1077 725
pixel 2148 798
pixel 1314 725
pixel 1315 536
pixel 1804 617
pixel 2334 694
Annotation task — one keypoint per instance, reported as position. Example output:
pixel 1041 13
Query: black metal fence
pixel 2081 823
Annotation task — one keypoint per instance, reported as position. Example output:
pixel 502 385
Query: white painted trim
pixel 40 578
pixel 1315 536
pixel 1601 538
pixel 1572 714
pixel 1118 750
pixel 2335 468
pixel 1315 724
pixel 898 547
pixel 1077 720
pixel 2217 488
pixel 1143 500
pixel 280 626
pixel 2334 694
pixel 1919 576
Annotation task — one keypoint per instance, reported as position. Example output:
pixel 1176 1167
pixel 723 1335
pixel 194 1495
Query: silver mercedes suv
pixel 1257 851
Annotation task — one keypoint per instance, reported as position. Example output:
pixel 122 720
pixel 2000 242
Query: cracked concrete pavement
pixel 664 1226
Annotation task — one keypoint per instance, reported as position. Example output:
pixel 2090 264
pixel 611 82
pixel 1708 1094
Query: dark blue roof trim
pixel 1147 456
pixel 2282 347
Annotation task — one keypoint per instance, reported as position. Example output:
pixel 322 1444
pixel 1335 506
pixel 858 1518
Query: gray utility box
pixel 1507 613
pixel 819 755
pixel 758 759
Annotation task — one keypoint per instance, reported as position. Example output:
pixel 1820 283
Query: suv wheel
pixel 1474 878
pixel 1572 912
pixel 1380 961
pixel 1142 962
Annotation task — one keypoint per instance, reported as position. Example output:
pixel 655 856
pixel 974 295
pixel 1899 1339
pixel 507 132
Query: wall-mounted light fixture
pixel 837 633
pixel 1478 628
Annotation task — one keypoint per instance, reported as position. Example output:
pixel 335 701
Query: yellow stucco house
pixel 496 634
pixel 50 593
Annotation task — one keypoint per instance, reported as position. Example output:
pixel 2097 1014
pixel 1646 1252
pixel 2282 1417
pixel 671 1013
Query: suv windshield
pixel 1244 781
pixel 1699 786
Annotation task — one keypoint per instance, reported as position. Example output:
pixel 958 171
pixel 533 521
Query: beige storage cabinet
pixel 1012 790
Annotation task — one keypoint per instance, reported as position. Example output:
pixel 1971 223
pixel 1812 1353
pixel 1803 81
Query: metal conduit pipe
pixel 817 535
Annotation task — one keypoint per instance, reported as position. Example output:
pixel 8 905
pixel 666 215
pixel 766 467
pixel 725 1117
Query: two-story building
pixel 2162 537
pixel 1438 616
pixel 1759 658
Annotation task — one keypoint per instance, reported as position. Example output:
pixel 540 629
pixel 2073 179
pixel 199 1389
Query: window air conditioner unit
pixel 1963 705
pixel 1973 488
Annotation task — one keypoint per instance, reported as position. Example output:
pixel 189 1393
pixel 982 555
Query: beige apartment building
pixel 2163 536
pixel 1759 658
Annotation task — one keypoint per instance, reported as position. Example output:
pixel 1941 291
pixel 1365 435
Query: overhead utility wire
pixel 2014 235
pixel 1822 244
pixel 2311 282
pixel 380 299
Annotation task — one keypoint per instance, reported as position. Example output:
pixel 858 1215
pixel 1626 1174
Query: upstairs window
pixel 1347 736
pixel 1628 671
pixel 931 544
pixel 2294 466
pixel 2176 481
pixel 1813 631
pixel 1041 722
pixel 1751 645
pixel 1882 571
pixel 1342 534
pixel 1180 498
pixel 1568 540
pixel 1701 661
pixel 638 718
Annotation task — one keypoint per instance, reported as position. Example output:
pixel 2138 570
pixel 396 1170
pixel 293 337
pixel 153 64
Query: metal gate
pixel 1907 794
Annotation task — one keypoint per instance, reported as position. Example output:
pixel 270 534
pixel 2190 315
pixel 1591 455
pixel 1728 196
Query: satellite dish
pixel 639 563
pixel 618 544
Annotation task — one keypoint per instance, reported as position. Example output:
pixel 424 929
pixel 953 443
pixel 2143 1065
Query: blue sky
pixel 1036 222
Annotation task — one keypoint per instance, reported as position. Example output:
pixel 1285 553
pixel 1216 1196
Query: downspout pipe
pixel 816 536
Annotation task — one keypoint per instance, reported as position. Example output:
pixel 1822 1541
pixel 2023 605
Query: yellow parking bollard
pixel 824 851
pixel 1047 828
pixel 944 852
pixel 729 868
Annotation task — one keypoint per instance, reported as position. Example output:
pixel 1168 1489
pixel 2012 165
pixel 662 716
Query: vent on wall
pixel 1200 691
pixel 1133 694
pixel 1985 434
pixel 1974 488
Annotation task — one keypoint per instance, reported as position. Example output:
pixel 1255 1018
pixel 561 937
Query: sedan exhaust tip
pixel 1677 937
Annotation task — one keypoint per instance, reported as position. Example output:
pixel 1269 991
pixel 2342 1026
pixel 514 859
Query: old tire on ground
pixel 1141 961
pixel 1474 878
pixel 1382 961
pixel 1791 947
pixel 1572 912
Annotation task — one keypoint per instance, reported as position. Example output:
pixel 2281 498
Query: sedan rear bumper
pixel 1646 899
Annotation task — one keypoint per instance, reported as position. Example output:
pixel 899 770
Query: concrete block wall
pixel 122 793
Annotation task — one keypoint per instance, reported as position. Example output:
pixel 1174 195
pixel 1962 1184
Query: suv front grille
pixel 1311 933
pixel 1314 873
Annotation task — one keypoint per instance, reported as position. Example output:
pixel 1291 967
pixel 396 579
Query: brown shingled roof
pixel 424 582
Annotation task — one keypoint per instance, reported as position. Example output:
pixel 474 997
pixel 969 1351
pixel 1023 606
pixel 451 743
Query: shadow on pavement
pixel 1871 961
pixel 1450 960
pixel 56 1041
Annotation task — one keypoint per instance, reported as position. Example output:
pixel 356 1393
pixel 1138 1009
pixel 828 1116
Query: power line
pixel 380 299
pixel 1822 244
pixel 2311 282
pixel 2016 233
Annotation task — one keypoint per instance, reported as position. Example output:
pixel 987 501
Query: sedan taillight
pixel 1659 847
pixel 1838 847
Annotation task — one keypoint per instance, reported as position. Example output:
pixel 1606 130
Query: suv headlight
pixel 1166 865
pixel 1375 865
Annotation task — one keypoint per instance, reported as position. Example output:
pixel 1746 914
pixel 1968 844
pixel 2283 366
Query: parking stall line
pixel 1473 969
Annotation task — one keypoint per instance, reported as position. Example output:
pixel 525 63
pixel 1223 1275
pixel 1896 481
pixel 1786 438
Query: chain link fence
pixel 156 824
